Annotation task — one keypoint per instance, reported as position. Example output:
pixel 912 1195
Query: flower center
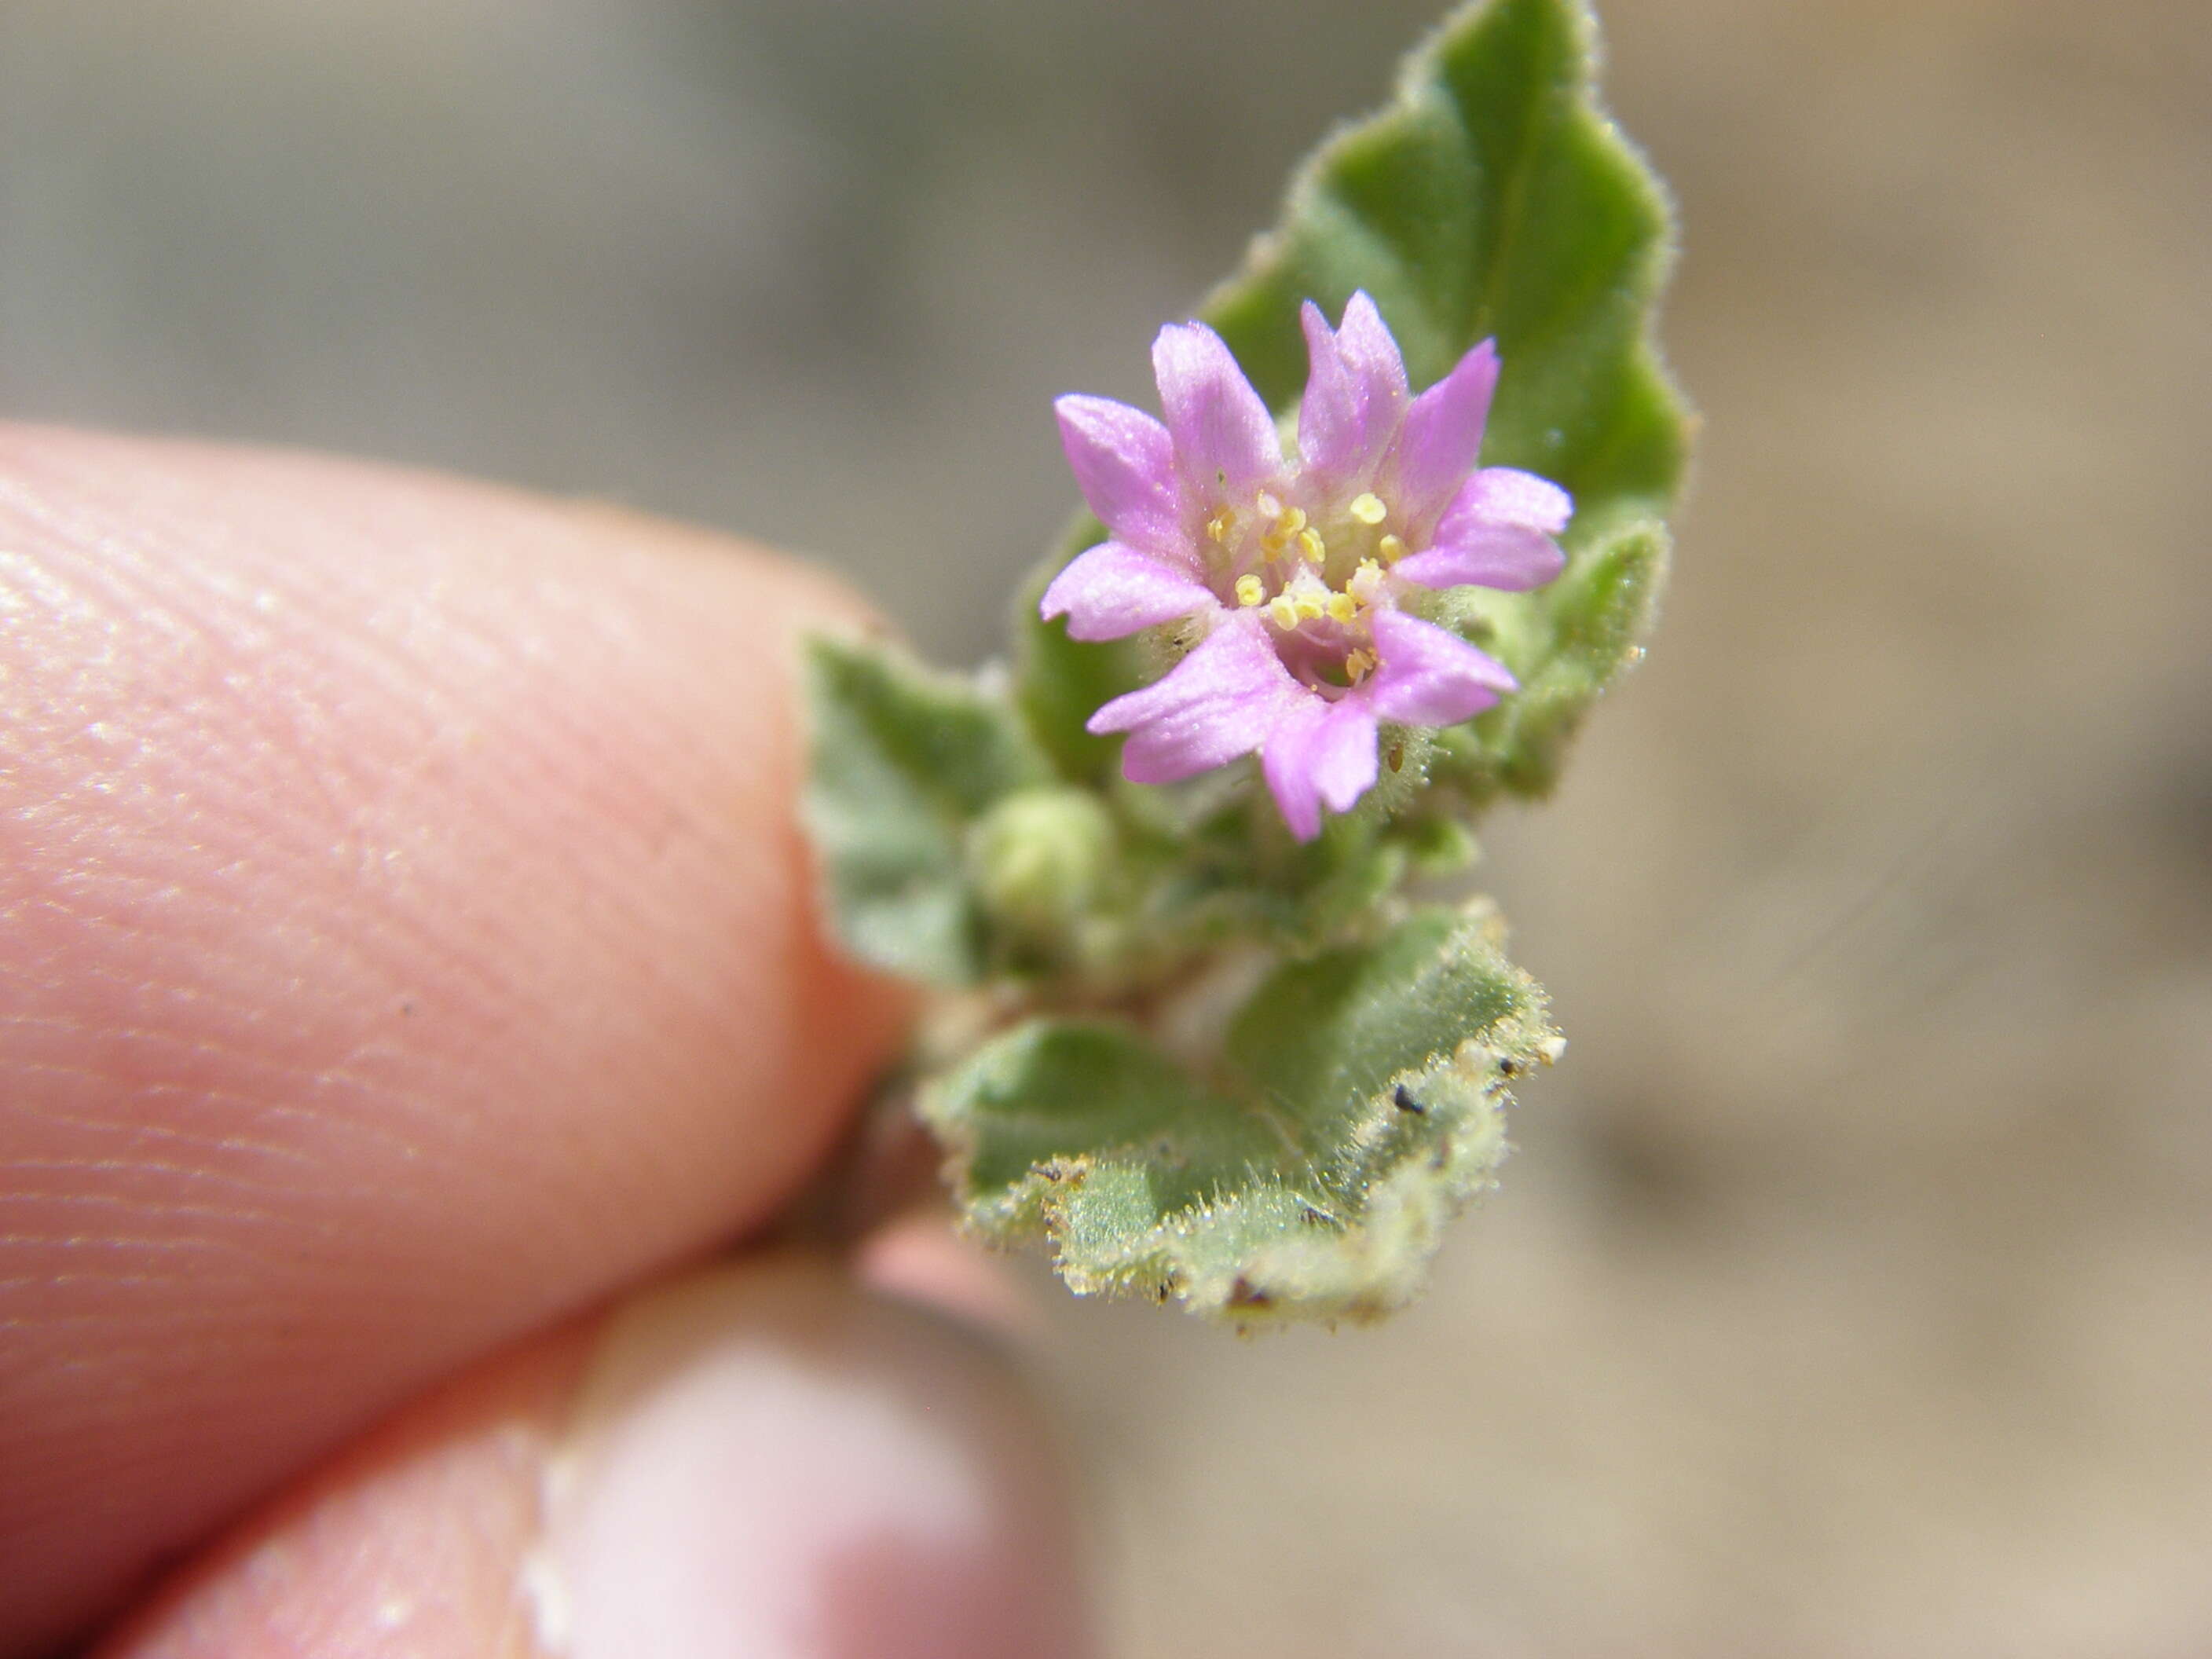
pixel 1316 575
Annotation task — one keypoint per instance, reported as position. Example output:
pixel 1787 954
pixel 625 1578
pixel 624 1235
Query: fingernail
pixel 765 1461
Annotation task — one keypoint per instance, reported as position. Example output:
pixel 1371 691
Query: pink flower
pixel 1297 568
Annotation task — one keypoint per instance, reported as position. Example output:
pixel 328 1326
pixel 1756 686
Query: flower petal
pixel 1430 676
pixel 1371 359
pixel 1496 533
pixel 1502 557
pixel 1320 751
pixel 1507 496
pixel 1444 435
pixel 1124 464
pixel 1224 438
pixel 1329 427
pixel 1217 703
pixel 1114 590
pixel 1355 393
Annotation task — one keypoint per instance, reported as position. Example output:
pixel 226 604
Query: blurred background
pixel 1851 1290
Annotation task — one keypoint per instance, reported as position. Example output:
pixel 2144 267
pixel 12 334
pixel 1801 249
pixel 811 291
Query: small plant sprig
pixel 1402 523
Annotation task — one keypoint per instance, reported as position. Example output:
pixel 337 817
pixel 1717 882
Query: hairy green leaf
pixel 1356 1102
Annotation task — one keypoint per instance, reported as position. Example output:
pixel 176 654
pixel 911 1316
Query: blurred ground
pixel 1849 1293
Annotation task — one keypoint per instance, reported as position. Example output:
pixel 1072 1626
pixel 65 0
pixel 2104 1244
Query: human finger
pixel 759 1459
pixel 407 940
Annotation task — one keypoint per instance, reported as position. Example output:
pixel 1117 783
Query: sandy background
pixel 1851 1292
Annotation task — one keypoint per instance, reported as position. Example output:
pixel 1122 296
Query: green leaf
pixel 1357 1102
pixel 1493 199
pixel 904 763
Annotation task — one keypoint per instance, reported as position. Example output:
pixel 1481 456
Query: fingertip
pixel 759 1459
pixel 765 1460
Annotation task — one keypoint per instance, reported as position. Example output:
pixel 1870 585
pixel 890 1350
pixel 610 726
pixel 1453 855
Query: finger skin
pixel 405 938
pixel 486 1523
pixel 411 1543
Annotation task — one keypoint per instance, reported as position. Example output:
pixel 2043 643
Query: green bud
pixel 1040 857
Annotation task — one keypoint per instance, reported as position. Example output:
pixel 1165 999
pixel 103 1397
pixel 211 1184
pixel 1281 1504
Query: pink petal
pixel 1214 705
pixel 1376 371
pixel 1124 464
pixel 1443 434
pixel 1224 438
pixel 1330 429
pixel 1355 393
pixel 1507 496
pixel 1430 676
pixel 1496 533
pixel 1510 560
pixel 1114 590
pixel 1320 751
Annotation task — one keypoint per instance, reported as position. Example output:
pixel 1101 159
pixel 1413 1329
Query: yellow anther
pixel 1359 666
pixel 1284 611
pixel 1310 607
pixel 1364 582
pixel 1274 543
pixel 1220 525
pixel 1391 548
pixel 1315 550
pixel 1292 522
pixel 1369 509
pixel 1249 591
pixel 1269 506
pixel 1342 607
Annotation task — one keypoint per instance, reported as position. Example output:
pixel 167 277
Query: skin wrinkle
pixel 214 1055
pixel 144 1134
pixel 217 1054
pixel 145 1327
pixel 230 1145
pixel 244 1250
pixel 570 753
pixel 339 815
pixel 332 1074
pixel 242 1226
pixel 110 1239
pixel 431 696
pixel 356 821
pixel 405 917
pixel 280 833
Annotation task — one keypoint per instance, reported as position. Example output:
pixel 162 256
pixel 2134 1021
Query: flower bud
pixel 1039 858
